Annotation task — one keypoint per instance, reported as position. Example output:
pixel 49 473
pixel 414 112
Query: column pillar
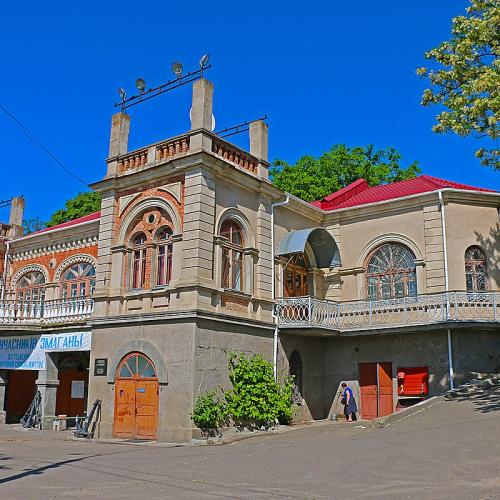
pixel 201 114
pixel 259 146
pixel 3 383
pixel 118 142
pixel 47 384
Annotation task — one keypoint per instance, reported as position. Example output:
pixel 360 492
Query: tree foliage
pixel 32 225
pixel 465 77
pixel 313 178
pixel 82 204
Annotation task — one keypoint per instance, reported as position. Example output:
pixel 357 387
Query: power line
pixel 39 145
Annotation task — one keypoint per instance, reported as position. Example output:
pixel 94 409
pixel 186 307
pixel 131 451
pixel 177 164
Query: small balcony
pixel 45 312
pixel 308 312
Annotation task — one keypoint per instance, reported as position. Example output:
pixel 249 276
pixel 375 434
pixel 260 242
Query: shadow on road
pixel 40 470
pixel 485 399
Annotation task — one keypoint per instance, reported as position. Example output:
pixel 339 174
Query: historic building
pixel 195 254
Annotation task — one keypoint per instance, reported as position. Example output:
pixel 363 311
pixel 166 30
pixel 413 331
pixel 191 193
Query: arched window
pixel 78 280
pixel 391 272
pixel 138 261
pixel 232 256
pixel 475 270
pixel 136 365
pixel 296 282
pixel 296 373
pixel 164 257
pixel 31 286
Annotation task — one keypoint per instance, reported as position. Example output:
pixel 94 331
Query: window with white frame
pixel 391 272
pixel 31 286
pixel 78 280
pixel 164 257
pixel 139 256
pixel 232 256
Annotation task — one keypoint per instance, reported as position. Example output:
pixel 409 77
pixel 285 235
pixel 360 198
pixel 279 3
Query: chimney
pixel 201 113
pixel 259 146
pixel 16 217
pixel 118 142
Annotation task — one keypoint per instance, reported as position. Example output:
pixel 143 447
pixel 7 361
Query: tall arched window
pixel 138 261
pixel 78 280
pixel 31 286
pixel 296 373
pixel 164 257
pixel 475 270
pixel 391 272
pixel 232 256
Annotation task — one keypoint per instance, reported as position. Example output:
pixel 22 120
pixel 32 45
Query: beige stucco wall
pixel 468 225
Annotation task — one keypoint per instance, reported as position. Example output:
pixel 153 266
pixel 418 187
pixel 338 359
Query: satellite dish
pixel 213 119
pixel 140 85
pixel 122 93
pixel 204 61
pixel 177 68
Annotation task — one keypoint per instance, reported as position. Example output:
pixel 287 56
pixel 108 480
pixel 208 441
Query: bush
pixel 208 411
pixel 256 397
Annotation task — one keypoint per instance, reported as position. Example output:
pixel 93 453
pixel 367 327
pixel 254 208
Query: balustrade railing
pixel 235 155
pixel 421 309
pixel 45 311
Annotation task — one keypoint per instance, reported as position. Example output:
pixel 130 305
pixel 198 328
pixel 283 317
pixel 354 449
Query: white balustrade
pixel 368 314
pixel 46 311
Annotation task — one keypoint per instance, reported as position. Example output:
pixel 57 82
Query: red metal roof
pixel 359 193
pixel 74 222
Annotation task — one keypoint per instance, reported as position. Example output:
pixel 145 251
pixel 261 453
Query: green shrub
pixel 208 411
pixel 255 396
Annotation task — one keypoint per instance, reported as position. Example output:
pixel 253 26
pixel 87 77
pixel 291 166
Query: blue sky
pixel 324 72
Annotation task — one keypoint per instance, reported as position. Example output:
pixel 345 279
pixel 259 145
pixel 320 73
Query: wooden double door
pixel 375 381
pixel 136 399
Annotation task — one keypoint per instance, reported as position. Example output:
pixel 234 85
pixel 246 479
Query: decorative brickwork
pixel 50 262
pixel 233 303
pixel 151 191
pixel 149 224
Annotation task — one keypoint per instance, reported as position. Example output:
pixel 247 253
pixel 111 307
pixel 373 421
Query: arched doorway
pixel 136 398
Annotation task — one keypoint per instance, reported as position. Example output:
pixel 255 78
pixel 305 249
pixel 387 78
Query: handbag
pixel 343 400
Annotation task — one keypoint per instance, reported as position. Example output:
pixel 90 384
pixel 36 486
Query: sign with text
pixel 101 367
pixel 28 352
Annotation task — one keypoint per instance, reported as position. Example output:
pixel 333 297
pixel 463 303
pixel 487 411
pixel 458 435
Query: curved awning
pixel 322 243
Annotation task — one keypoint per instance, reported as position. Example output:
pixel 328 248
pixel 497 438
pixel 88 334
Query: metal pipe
pixel 450 362
pixel 4 277
pixel 443 230
pixel 273 285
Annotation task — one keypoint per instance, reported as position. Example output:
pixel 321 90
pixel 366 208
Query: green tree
pixel 82 204
pixel 313 178
pixel 32 225
pixel 465 78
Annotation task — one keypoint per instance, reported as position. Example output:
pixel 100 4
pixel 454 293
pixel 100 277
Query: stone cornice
pixel 51 247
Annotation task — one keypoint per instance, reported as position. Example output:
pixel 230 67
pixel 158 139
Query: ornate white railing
pixel 422 309
pixel 45 311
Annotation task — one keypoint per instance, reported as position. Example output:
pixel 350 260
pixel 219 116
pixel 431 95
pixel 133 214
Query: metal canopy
pixel 322 242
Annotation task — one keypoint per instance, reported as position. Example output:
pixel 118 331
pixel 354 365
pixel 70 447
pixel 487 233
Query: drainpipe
pixel 4 277
pixel 446 289
pixel 273 286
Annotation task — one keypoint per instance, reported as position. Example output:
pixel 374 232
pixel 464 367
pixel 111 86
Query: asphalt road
pixel 449 450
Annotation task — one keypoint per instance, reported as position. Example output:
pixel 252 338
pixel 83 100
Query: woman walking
pixel 350 407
